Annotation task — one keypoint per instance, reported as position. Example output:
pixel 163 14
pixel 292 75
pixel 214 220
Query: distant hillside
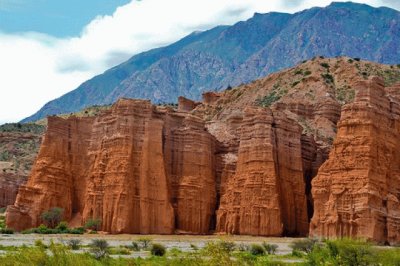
pixel 232 55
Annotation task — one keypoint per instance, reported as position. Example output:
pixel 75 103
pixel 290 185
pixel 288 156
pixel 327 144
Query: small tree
pixel 52 217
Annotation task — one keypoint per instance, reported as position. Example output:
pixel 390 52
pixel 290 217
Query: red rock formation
pixel 185 104
pixel 356 192
pixel 210 97
pixel 138 169
pixel 266 196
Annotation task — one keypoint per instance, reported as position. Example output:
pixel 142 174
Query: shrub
pixel 346 252
pixel 134 246
pixel 76 231
pixel 93 224
pixel 100 248
pixel 307 72
pixel 39 243
pixel 144 243
pixel 357 59
pixel 157 250
pixel 243 247
pixel 325 65
pixel 328 78
pixel 62 226
pixel 227 245
pixel 52 217
pixel 268 100
pixel 120 251
pixel 216 254
pixel 257 250
pixel 270 248
pixel 305 245
pixel 7 231
pixel 74 244
pixel 298 72
pixel 350 60
pixel 3 209
pixel 398 65
pixel 295 83
pixel 194 247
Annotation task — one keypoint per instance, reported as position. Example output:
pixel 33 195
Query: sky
pixel 49 47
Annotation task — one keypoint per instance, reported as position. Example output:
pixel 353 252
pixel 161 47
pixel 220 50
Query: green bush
pixel 93 224
pixel 134 246
pixel 120 251
pixel 305 245
pixel 7 231
pixel 74 244
pixel 294 84
pixel 227 245
pixel 398 65
pixel 325 65
pixel 350 60
pixel 62 226
pixel 357 59
pixel 257 250
pixel 157 250
pixel 344 252
pixel 144 242
pixel 39 243
pixel 268 100
pixel 243 247
pixel 270 248
pixel 52 217
pixel 99 248
pixel 76 231
pixel 307 72
pixel 328 78
pixel 298 72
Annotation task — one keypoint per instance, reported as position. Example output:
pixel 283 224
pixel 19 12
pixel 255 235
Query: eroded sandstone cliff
pixel 240 162
pixel 136 168
pixel 357 191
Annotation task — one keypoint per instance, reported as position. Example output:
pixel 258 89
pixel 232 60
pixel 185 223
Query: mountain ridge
pixel 232 55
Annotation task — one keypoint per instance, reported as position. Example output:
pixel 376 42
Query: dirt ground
pixel 183 242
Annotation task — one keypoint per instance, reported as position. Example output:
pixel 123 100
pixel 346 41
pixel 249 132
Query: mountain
pixel 232 55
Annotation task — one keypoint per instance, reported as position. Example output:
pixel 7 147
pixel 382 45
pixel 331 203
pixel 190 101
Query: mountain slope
pixel 231 55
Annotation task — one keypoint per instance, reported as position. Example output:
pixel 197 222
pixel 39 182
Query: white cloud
pixel 36 68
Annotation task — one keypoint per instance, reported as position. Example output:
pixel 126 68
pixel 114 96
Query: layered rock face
pixel 240 162
pixel 137 168
pixel 266 195
pixel 357 190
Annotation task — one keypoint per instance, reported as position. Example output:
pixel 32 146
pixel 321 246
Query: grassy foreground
pixel 305 252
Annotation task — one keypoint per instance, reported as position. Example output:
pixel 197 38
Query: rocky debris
pixel 357 190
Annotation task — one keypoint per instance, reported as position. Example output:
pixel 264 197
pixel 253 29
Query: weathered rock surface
pixel 240 162
pixel 19 145
pixel 357 190
pixel 266 196
pixel 137 168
